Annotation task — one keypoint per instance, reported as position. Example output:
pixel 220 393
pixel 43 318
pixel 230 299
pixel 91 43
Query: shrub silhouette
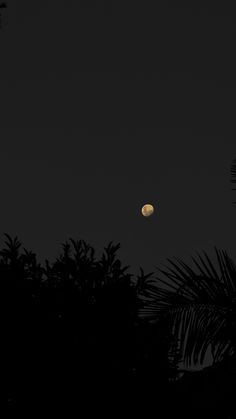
pixel 77 330
pixel 73 324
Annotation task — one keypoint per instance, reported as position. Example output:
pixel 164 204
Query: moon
pixel 147 210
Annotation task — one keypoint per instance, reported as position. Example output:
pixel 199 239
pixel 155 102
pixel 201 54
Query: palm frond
pixel 198 327
pixel 199 303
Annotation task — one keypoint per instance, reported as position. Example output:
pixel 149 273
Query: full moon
pixel 147 210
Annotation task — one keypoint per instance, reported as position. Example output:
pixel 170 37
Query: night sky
pixel 108 105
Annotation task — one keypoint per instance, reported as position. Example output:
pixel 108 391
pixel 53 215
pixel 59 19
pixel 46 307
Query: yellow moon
pixel 147 210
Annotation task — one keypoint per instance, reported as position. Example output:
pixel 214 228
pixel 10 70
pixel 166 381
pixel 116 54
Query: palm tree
pixel 199 303
pixel 201 306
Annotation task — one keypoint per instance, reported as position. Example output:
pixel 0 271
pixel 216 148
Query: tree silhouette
pixel 199 304
pixel 70 321
pixel 74 322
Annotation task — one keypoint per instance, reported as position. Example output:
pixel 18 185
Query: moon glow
pixel 147 210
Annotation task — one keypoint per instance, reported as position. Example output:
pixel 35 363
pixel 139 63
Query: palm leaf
pixel 199 303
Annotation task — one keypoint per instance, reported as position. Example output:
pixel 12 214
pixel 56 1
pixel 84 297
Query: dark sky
pixel 107 105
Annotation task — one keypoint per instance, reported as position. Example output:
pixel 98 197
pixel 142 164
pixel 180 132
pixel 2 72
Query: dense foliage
pixel 84 328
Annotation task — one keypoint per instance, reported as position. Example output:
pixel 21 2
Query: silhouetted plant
pixel 10 254
pixel 142 281
pixel 200 306
pixel 81 313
